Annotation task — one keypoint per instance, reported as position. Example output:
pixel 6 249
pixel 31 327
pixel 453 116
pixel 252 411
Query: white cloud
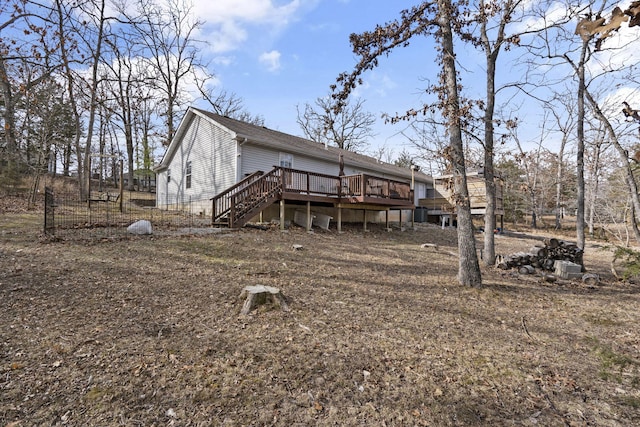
pixel 538 19
pixel 259 11
pixel 271 60
pixel 613 101
pixel 226 21
pixel 379 84
pixel 224 37
pixel 223 60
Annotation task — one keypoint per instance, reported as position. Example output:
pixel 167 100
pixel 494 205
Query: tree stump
pixel 259 295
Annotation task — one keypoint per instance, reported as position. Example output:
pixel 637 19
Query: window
pixel 188 174
pixel 286 160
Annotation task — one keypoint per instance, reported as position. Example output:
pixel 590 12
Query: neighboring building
pixel 143 180
pixel 238 165
pixel 439 201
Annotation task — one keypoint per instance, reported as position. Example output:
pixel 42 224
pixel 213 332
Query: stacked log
pixel 543 257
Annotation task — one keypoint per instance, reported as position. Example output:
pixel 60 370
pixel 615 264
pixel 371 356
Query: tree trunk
pixel 489 173
pixel 624 159
pixel 580 154
pixel 468 268
pixel 595 185
pixel 64 54
pixel 94 97
pixel 9 120
pixel 559 177
pixel 130 152
pixel 534 219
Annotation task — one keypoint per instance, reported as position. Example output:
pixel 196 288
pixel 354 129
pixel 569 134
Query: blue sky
pixel 277 54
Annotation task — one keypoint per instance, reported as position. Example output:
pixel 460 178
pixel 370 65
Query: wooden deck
pixel 256 192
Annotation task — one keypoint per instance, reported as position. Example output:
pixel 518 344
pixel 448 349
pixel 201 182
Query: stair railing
pixel 221 204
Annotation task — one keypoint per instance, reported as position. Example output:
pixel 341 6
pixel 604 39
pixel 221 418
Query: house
pixel 440 199
pixel 235 172
pixel 143 179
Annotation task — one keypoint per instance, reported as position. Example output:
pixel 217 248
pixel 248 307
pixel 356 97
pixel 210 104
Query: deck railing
pixel 245 199
pixel 312 183
pixel 373 186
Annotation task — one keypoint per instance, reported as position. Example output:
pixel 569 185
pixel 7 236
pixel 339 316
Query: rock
pixel 526 269
pixel 591 279
pixel 140 227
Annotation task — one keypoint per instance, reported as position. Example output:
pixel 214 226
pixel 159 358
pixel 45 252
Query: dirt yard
pixel 143 331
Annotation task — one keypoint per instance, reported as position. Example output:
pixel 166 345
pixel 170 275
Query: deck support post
pixel 339 219
pixel 400 218
pixel 309 217
pixel 386 219
pixel 282 215
pixel 413 219
pixel 364 220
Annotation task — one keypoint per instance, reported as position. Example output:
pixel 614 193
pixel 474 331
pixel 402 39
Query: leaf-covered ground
pixel 146 331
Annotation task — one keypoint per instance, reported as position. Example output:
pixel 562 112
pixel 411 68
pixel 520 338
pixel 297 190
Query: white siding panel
pixel 211 151
pixel 257 158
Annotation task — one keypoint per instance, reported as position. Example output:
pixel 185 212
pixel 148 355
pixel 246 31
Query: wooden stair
pixel 234 207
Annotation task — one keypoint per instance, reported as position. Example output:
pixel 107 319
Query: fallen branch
pixel 437 249
pixel 524 327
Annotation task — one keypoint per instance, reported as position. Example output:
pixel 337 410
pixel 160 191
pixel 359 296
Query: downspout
pixel 239 157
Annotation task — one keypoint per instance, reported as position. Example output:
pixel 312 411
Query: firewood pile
pixel 543 257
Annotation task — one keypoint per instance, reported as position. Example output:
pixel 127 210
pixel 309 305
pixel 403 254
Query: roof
pixel 262 135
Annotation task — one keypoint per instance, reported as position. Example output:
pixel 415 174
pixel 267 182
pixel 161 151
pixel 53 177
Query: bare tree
pixel 565 123
pixel 124 82
pixel 530 162
pixel 427 19
pixel 348 128
pixel 593 26
pixel 492 44
pixel 565 43
pixel 167 35
pixel 625 162
pixel 227 104
pixel 594 155
pixel 94 9
pixel 31 51
pixel 427 136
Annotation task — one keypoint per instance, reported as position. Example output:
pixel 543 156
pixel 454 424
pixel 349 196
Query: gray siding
pixel 257 157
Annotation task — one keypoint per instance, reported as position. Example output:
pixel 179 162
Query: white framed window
pixel 188 174
pixel 286 160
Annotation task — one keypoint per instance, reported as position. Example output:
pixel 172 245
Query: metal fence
pixel 108 214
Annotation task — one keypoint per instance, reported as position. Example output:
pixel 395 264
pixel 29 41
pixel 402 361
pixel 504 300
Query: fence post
pixel 122 184
pixel 49 215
